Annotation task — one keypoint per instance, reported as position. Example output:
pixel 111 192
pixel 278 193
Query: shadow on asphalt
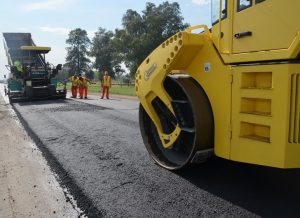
pixel 265 191
pixel 110 99
pixel 43 102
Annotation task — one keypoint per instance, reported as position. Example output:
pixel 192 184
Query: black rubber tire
pixel 11 100
pixel 198 135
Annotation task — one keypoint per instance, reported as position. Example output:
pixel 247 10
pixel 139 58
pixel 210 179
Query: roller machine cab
pixel 232 91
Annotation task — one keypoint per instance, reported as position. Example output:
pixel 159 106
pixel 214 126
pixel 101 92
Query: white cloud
pixel 91 33
pixel 46 5
pixel 57 55
pixel 64 31
pixel 24 29
pixel 57 30
pixel 201 2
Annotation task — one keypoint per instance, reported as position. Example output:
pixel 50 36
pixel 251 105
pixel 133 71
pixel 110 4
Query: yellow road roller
pixel 232 90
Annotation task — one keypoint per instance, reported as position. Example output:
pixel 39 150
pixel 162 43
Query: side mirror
pixel 59 67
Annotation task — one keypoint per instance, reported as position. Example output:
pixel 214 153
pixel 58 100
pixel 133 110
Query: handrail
pixel 220 26
pixel 201 26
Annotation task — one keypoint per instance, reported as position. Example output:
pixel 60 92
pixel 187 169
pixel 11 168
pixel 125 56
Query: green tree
pixel 90 74
pixel 77 60
pixel 142 33
pixel 98 76
pixel 102 51
pixel 118 71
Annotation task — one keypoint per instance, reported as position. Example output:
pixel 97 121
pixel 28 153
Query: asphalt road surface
pixel 96 148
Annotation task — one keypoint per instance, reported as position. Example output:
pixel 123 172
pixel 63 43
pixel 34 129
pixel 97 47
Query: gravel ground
pixel 99 154
pixel 28 188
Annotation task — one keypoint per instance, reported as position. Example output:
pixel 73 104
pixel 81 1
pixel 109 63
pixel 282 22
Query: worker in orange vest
pixel 83 86
pixel 74 87
pixel 106 84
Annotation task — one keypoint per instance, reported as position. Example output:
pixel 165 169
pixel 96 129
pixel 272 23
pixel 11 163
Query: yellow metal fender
pixel 172 56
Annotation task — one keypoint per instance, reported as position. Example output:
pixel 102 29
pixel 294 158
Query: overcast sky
pixel 49 21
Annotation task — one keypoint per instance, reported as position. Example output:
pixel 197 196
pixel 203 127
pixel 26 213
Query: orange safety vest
pixel 106 81
pixel 80 81
pixel 85 82
pixel 74 81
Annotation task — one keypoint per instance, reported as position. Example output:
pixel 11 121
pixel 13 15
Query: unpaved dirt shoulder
pixel 28 188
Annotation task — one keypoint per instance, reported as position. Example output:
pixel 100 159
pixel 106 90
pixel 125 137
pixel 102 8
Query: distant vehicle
pixel 232 90
pixel 31 77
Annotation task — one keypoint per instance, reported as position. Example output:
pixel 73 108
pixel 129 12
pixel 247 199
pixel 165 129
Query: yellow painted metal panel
pixel 217 86
pixel 41 49
pixel 270 133
pixel 274 25
pixel 223 39
pixel 256 106
pixel 292 154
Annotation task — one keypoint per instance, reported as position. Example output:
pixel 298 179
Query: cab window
pixel 243 4
pixel 215 10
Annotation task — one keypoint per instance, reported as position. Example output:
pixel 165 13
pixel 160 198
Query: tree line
pixel 140 34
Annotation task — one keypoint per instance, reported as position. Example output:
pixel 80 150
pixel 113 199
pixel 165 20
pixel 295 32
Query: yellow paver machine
pixel 232 90
pixel 30 77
